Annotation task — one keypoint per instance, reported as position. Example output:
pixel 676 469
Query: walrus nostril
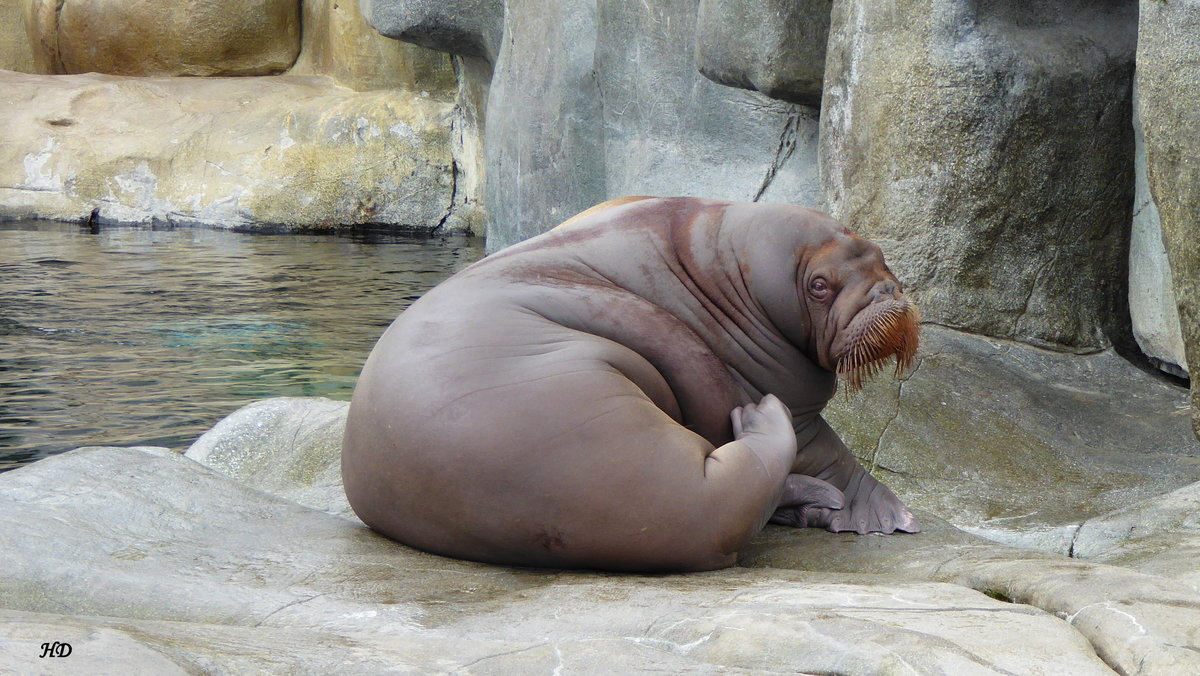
pixel 883 291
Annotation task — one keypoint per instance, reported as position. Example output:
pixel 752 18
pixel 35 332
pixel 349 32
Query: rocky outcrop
pixel 1152 308
pixel 233 153
pixel 146 37
pixel 15 51
pixel 776 47
pixel 1017 444
pixel 589 100
pixel 293 440
pixel 988 148
pixel 230 152
pixel 338 42
pixel 469 28
pixel 149 560
pixel 1169 107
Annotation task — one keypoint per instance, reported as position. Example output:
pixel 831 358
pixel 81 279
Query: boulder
pixel 776 47
pixel 144 37
pixel 1018 444
pixel 1152 308
pixel 987 147
pixel 337 41
pixel 610 103
pixel 282 446
pixel 588 101
pixel 229 152
pixel 146 559
pixel 1168 60
pixel 471 28
pixel 16 53
pixel 544 140
pixel 1160 536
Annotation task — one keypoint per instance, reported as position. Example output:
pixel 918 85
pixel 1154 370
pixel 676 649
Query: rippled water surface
pixel 128 336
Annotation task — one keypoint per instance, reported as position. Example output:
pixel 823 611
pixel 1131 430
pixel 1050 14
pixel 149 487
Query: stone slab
pixel 223 152
pixel 149 555
pixel 1020 444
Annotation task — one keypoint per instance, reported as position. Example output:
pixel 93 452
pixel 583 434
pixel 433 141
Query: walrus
pixel 639 389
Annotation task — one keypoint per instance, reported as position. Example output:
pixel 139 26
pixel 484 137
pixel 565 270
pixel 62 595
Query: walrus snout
pixel 885 328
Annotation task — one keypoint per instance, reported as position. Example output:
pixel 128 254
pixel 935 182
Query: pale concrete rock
pixel 16 53
pixel 1017 444
pixel 231 152
pixel 147 553
pixel 470 28
pixel 146 37
pixel 962 137
pixel 587 101
pixel 776 47
pixel 1152 306
pixel 1160 536
pixel 283 447
pixel 1137 623
pixel 1168 59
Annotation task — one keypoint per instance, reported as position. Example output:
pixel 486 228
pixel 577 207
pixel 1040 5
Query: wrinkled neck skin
pixel 732 283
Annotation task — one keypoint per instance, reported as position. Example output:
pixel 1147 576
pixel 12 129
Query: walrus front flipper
pixel 807 501
pixel 746 476
pixel 870 507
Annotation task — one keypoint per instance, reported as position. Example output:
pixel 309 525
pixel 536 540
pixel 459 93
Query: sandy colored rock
pixel 1169 107
pixel 338 42
pixel 963 138
pixel 144 37
pixel 222 152
pixel 16 52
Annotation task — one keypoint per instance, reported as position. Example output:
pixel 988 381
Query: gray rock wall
pixel 987 145
pixel 1169 107
pixel 591 100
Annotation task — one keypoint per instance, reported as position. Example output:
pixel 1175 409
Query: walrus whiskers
pixel 891 332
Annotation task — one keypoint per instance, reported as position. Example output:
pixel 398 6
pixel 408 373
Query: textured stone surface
pixel 1169 102
pixel 1152 308
pixel 16 53
pixel 282 446
pixel 592 100
pixel 1019 444
pixel 776 47
pixel 1160 536
pixel 146 37
pixel 338 42
pixel 1137 623
pixel 597 100
pixel 147 558
pixel 987 147
pixel 463 27
pixel 230 152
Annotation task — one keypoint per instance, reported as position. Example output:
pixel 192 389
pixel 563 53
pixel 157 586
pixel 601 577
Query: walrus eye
pixel 819 288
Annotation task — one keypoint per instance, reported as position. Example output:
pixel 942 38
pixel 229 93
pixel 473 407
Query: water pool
pixel 127 336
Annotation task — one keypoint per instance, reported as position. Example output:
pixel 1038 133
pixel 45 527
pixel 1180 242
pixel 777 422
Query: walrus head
pixel 859 314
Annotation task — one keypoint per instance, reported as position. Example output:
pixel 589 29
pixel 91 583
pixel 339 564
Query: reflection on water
pixel 135 336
